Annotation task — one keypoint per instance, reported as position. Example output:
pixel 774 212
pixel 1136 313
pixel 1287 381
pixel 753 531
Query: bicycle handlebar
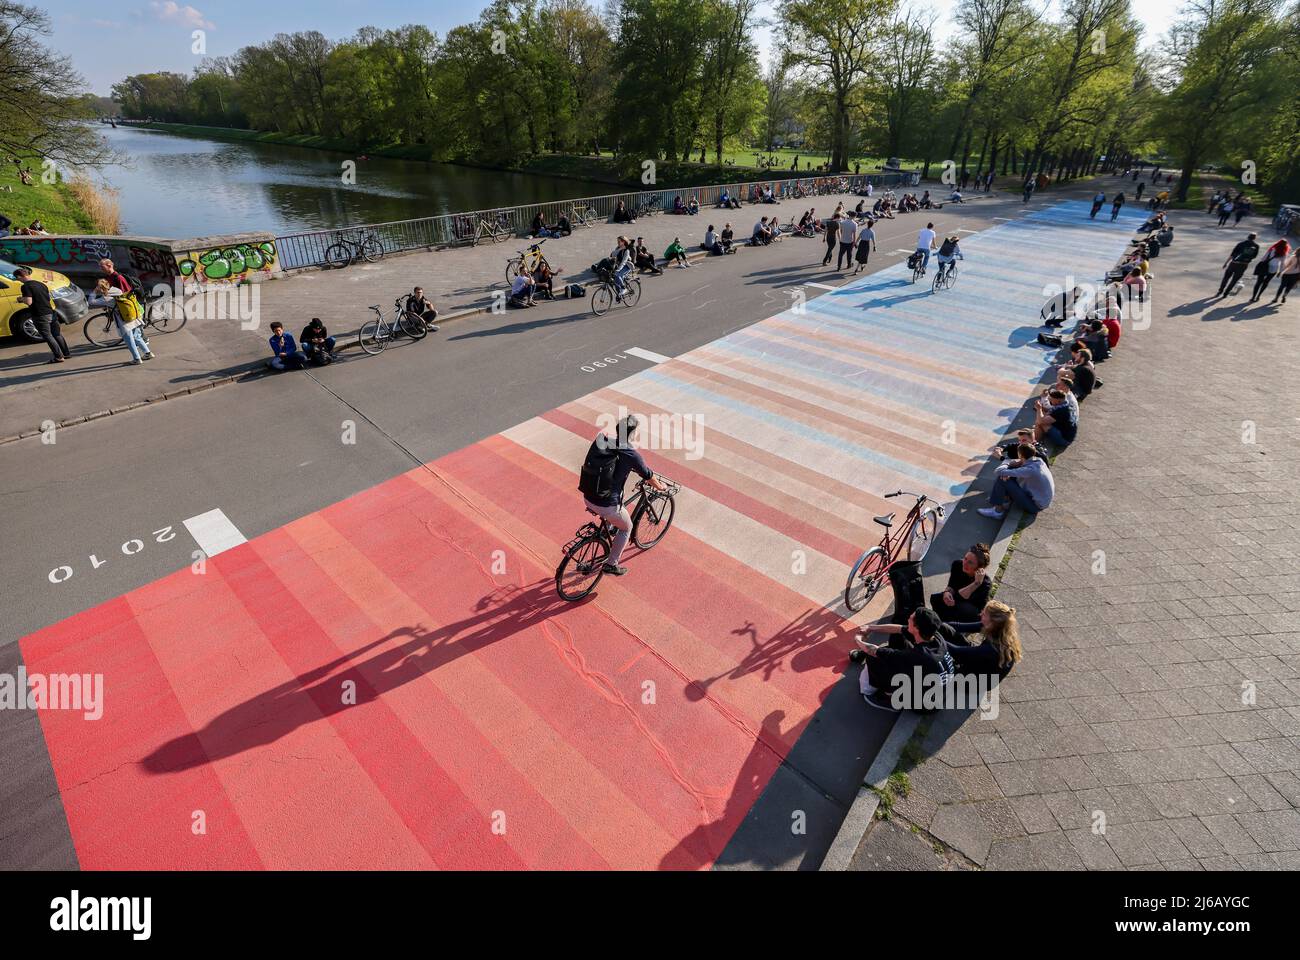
pixel 899 493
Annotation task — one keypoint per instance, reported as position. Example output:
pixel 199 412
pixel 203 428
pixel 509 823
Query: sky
pixel 107 42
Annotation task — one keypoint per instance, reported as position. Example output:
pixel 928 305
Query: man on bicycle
pixel 601 481
pixel 948 252
pixel 925 243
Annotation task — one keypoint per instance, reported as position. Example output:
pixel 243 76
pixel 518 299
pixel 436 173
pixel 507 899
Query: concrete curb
pixel 862 812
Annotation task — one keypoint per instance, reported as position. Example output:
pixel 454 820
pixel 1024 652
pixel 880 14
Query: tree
pixel 835 42
pixel 42 99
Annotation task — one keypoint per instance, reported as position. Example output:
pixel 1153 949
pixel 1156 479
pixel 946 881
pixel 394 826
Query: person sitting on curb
pixel 762 234
pixel 317 342
pixel 999 650
pixel 1026 482
pixel 645 260
pixel 285 353
pixel 676 252
pixel 1085 374
pixel 1011 448
pixel 1057 422
pixel 521 290
pixel 968 587
pixel 420 306
pixel 712 244
pixel 920 648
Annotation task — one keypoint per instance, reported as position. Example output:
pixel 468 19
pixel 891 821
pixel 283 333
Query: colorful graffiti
pixel 228 264
pixel 54 251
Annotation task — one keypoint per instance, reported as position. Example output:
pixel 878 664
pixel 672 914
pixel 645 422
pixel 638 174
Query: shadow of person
pixel 1028 336
pixel 706 842
pixel 400 656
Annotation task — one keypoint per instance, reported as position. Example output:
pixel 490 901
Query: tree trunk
pixel 984 151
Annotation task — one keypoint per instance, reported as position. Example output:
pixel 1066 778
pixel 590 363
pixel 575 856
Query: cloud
pixel 171 12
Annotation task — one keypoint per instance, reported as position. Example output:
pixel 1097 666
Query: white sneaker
pixel 991 512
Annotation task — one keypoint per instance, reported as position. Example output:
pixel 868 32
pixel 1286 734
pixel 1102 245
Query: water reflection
pixel 176 186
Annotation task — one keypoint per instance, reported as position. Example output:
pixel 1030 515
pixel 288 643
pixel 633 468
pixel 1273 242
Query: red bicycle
pixel 919 529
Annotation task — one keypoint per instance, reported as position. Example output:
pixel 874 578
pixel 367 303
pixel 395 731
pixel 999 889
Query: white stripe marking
pixel 1008 219
pixel 214 533
pixel 646 354
pixel 820 286
pixel 901 250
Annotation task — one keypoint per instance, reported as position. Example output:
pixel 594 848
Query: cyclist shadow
pixel 895 301
pixel 816 640
pixel 402 655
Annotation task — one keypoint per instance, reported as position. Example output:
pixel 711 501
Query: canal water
pixel 178 187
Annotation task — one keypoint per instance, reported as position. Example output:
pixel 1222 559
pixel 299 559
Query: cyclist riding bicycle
pixel 948 252
pixel 601 481
pixel 925 244
pixel 622 257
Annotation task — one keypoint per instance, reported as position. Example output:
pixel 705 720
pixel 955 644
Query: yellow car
pixel 15 316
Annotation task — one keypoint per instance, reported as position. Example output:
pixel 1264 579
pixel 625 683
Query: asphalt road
pixel 101 510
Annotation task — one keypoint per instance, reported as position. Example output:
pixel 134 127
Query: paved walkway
pixel 1155 720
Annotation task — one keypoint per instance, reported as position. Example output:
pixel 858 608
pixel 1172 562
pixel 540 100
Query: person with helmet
pixel 602 478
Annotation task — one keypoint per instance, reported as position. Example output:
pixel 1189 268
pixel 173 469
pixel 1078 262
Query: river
pixel 178 187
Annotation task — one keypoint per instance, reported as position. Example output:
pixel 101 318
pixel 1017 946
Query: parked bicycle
pixel 871 572
pixel 606 293
pixel 494 228
pixel 582 215
pixel 585 555
pixel 648 205
pixel 526 261
pixel 159 315
pixel 345 250
pixel 377 332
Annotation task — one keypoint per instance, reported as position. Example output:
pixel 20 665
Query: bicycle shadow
pixel 400 656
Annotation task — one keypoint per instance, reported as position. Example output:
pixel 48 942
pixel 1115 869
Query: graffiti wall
pixel 243 258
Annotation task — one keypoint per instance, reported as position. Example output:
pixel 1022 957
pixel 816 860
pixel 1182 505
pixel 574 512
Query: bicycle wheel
pixel 917 273
pixel 582 567
pixel 338 255
pixel 602 299
pixel 937 284
pixel 950 278
pixel 652 520
pixel 413 326
pixel 101 331
pixel 372 249
pixel 866 578
pixel 923 534
pixel 374 336
pixel 166 315
pixel 513 266
pixel 633 293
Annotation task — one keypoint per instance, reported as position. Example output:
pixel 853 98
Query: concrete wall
pixel 197 263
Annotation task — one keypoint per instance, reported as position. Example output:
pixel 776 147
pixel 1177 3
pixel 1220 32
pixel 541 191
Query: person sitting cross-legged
pixel 1025 482
pixel 968 587
pixel 1058 420
pixel 919 650
pixel 285 353
pixel 317 342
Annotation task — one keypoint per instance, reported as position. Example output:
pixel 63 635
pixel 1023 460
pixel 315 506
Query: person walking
pixel 36 295
pixel 832 237
pixel 1141 187
pixel 1269 267
pixel 848 233
pixel 1288 276
pixel 1236 264
pixel 866 241
pixel 1225 211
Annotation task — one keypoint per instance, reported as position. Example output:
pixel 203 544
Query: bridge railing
pixel 301 250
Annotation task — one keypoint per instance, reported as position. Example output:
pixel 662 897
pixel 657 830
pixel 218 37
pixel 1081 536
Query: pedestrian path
pixel 392 682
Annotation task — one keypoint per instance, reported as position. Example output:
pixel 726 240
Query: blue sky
pixel 138 36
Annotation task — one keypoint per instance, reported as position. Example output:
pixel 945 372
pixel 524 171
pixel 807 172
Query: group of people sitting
pixel 314 344
pixel 961 632
pixel 690 207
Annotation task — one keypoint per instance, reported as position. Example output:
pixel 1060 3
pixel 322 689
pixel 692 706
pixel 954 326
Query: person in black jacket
pixel 914 653
pixel 968 587
pixel 1236 264
pixel 316 342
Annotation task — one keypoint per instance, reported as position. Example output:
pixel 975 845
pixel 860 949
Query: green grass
pixel 52 204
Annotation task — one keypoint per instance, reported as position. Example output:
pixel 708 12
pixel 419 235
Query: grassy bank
pixel 603 169
pixel 62 207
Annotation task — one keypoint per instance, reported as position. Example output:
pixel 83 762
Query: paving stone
pixel 960 826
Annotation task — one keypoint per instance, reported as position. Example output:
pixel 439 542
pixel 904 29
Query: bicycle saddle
pixel 886 521
pixel 374 306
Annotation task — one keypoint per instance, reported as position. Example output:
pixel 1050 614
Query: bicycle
pixel 871 571
pixel 584 556
pixel 159 315
pixel 582 215
pixel 376 333
pixel 945 277
pixel 526 261
pixel 344 251
pixel 606 293
pixel 917 263
pixel 496 230
pixel 647 206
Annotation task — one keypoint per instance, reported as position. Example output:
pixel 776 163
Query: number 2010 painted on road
pixel 130 548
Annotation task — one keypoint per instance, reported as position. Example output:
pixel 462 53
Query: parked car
pixel 15 317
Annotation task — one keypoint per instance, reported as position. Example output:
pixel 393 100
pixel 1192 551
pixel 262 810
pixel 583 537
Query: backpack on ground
pixel 596 479
pixel 909 589
pixel 574 290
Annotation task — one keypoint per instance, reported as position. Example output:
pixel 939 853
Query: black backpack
pixel 596 479
pixel 909 589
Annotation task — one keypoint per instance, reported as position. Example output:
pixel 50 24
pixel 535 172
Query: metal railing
pixel 301 250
